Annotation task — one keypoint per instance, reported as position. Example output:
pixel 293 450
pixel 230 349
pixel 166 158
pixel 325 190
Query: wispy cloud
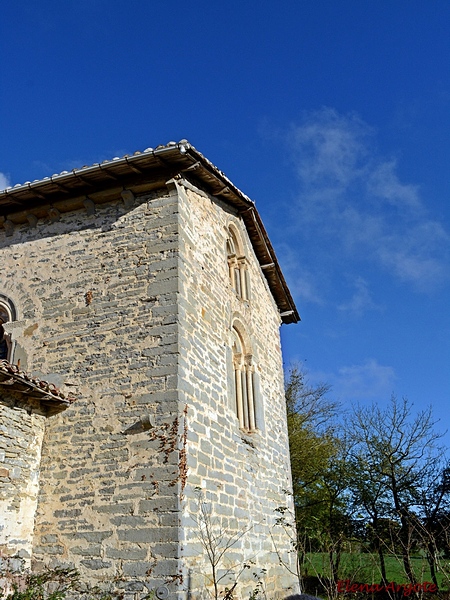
pixel 363 381
pixel 333 148
pixel 384 183
pixel 353 204
pixel 4 181
pixel 361 301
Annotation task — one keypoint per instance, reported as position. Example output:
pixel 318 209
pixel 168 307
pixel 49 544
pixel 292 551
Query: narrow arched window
pixel 237 265
pixel 244 382
pixel 7 314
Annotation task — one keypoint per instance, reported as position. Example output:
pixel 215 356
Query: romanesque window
pixel 237 265
pixel 7 314
pixel 244 381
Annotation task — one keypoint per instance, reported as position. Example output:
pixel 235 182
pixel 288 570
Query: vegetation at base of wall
pixel 216 541
pixel 51 584
pixel 371 491
pixel 61 583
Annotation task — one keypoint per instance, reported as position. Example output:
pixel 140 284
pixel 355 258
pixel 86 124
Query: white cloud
pixel 364 381
pixel 353 206
pixel 4 181
pixel 333 148
pixel 361 300
pixel 384 183
pixel 418 254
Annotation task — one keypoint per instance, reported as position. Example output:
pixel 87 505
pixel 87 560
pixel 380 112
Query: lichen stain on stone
pixel 31 329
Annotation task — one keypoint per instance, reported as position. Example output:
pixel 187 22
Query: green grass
pixel 364 567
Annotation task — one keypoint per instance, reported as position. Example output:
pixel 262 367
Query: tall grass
pixel 364 567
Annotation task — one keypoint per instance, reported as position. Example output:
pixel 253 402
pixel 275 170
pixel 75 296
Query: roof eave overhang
pixel 149 167
pixel 33 394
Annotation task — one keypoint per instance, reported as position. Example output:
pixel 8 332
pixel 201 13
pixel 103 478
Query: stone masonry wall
pixel 132 310
pixel 21 436
pixel 97 312
pixel 241 476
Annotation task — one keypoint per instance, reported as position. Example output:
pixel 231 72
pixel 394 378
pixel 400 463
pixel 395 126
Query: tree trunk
pixel 405 540
pixel 379 549
pixel 405 529
pixel 431 558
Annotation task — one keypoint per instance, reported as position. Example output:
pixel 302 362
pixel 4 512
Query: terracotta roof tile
pixel 50 398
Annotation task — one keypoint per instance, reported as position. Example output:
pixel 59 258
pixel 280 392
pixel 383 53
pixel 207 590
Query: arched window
pixel 244 381
pixel 237 265
pixel 7 314
pixel 7 309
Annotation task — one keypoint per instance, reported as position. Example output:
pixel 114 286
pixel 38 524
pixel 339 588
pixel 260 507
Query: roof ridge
pixel 170 145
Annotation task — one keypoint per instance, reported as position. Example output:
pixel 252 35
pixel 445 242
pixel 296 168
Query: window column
pixel 239 380
pixel 250 395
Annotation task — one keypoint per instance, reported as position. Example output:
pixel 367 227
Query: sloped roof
pixel 34 392
pixel 155 166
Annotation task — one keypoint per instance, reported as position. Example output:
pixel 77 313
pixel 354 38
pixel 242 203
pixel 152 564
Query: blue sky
pixel 333 116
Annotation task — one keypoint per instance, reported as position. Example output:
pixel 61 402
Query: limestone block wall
pixel 132 309
pixel 241 475
pixel 97 312
pixel 21 436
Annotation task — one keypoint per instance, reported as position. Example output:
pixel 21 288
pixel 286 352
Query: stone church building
pixel 141 383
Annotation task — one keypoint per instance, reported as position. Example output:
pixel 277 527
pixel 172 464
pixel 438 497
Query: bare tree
pixel 433 526
pixel 216 541
pixel 392 449
pixel 285 519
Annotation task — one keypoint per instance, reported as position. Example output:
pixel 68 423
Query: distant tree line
pixel 370 480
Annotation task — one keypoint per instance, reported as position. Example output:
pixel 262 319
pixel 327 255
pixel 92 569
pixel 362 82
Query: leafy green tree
pixel 311 433
pixel 319 470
